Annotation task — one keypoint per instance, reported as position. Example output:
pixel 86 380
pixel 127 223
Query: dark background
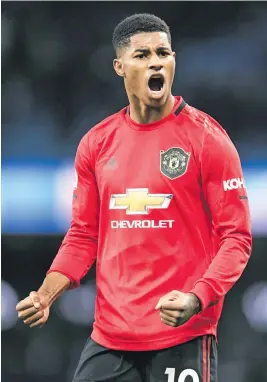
pixel 57 82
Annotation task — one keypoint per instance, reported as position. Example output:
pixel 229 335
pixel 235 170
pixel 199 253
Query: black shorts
pixel 193 361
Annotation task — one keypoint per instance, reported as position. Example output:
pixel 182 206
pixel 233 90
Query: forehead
pixel 149 40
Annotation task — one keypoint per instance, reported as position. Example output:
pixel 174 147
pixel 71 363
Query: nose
pixel 155 63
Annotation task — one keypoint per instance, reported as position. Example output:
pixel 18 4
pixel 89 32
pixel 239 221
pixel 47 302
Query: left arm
pixel 224 191
pixel 226 198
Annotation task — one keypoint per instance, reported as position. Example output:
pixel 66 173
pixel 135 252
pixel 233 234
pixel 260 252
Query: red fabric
pixel 199 243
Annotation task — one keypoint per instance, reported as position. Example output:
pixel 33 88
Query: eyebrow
pixel 146 50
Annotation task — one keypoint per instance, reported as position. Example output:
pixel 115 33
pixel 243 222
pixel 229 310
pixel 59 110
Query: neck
pixel 141 113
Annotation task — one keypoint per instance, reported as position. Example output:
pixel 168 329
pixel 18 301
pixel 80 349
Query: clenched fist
pixel 34 309
pixel 176 308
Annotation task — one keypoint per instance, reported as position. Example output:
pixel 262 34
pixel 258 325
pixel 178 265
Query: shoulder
pixel 106 126
pixel 206 129
pixel 99 133
pixel 202 121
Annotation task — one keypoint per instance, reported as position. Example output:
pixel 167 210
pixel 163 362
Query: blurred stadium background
pixel 57 82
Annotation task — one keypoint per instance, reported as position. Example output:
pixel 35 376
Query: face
pixel 148 66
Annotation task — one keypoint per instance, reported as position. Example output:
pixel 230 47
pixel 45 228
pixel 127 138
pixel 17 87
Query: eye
pixel 164 54
pixel 140 56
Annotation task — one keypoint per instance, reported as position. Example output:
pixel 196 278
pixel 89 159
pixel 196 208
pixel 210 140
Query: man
pixel 160 204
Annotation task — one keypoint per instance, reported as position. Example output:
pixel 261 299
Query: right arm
pixel 79 247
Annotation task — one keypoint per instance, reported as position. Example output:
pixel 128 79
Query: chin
pixel 157 101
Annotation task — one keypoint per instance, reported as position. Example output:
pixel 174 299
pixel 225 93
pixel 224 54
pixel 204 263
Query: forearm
pixel 76 254
pixel 54 285
pixel 224 270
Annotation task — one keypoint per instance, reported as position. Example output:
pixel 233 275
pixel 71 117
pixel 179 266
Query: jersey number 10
pixel 185 373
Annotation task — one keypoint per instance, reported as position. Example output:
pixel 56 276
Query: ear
pixel 174 54
pixel 118 67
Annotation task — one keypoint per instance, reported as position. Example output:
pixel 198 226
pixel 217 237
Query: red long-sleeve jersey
pixel 160 207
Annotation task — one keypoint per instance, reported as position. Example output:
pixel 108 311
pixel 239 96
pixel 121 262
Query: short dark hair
pixel 138 23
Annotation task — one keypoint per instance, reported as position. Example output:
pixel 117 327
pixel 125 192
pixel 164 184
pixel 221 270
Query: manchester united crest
pixel 174 162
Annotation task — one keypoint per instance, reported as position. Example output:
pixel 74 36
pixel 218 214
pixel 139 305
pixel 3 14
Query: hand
pixel 34 309
pixel 176 308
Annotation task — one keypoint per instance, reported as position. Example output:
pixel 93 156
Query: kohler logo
pixel 233 184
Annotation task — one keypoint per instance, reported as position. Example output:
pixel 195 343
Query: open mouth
pixel 156 83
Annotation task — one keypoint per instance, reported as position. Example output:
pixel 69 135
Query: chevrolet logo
pixel 137 201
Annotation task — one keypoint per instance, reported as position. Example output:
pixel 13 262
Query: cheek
pixel 171 69
pixel 134 77
pixel 174 67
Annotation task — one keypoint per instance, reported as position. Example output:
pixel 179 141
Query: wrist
pixel 196 304
pixel 48 296
pixel 53 286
